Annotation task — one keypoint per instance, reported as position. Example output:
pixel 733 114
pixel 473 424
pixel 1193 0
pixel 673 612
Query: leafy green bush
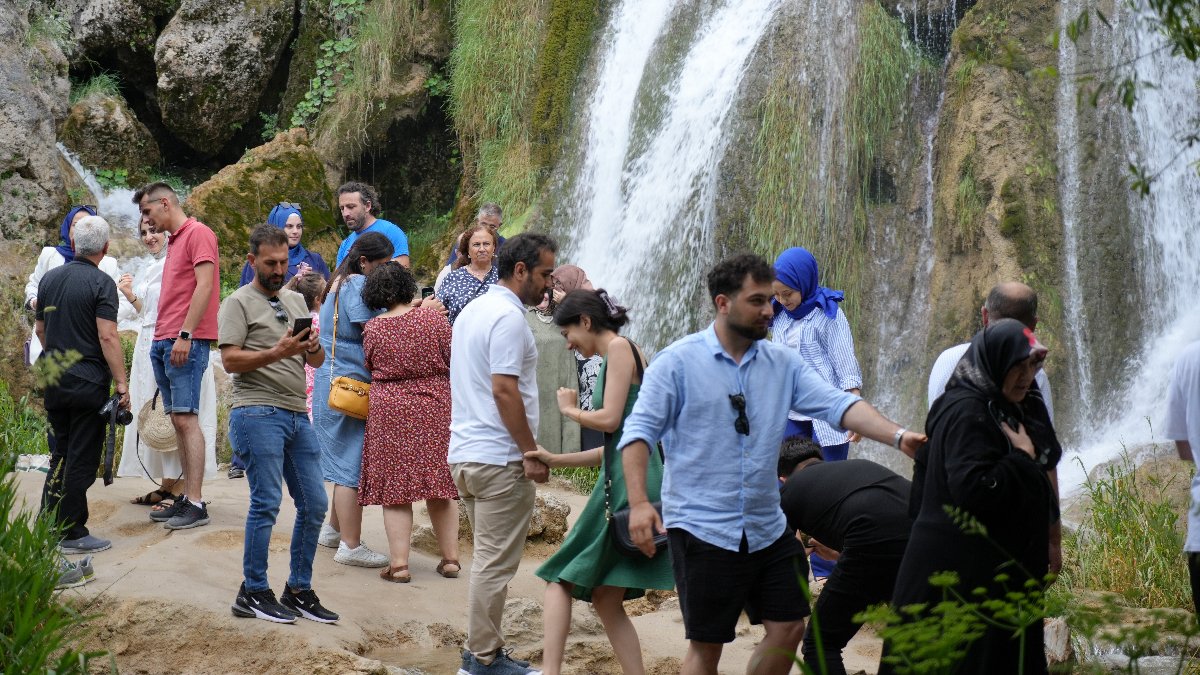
pixel 37 633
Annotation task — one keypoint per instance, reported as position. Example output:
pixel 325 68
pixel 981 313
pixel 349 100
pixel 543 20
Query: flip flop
pixel 154 497
pixel 390 573
pixel 449 574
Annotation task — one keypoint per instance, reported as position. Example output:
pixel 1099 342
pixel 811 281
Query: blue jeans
pixel 279 445
pixel 179 386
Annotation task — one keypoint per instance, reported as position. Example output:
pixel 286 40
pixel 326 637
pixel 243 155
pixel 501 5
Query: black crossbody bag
pixel 618 521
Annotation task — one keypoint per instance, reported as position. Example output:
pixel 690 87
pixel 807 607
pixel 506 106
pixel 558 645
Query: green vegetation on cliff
pixel 796 202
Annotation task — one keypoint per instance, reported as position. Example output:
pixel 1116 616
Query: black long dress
pixel 969 463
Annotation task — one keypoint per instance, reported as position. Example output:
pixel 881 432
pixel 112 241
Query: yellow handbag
pixel 346 394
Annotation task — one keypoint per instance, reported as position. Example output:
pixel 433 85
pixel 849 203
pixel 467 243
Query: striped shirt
pixel 827 346
pixel 943 368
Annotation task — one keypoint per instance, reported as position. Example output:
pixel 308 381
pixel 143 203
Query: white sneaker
pixel 361 556
pixel 329 537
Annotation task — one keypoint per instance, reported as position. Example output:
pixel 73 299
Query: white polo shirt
pixel 1182 423
pixel 943 368
pixel 490 338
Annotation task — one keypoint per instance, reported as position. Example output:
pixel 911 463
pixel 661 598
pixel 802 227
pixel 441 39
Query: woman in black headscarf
pixel 990 446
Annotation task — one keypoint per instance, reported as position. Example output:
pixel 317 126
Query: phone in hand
pixel 302 324
pixel 426 291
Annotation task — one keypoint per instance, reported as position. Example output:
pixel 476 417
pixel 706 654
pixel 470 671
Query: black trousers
pixel 859 581
pixel 1193 560
pixel 73 409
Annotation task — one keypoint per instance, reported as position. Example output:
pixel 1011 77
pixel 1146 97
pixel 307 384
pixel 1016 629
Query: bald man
pixel 1006 300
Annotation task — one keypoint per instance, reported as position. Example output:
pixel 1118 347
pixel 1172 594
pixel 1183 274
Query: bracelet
pixel 313 351
pixel 898 437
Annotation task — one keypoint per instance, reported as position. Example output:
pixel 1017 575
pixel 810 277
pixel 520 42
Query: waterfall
pixel 116 206
pixel 655 132
pixel 1167 281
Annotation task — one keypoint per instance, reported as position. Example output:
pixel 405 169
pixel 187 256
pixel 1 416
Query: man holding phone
pixel 266 339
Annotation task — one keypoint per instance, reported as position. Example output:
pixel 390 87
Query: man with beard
pixel 360 209
pixel 269 428
pixel 714 399
pixel 494 422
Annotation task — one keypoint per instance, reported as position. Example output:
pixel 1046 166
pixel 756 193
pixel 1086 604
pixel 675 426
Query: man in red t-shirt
pixel 187 323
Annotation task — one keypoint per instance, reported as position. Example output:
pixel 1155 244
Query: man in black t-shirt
pixel 77 312
pixel 856 512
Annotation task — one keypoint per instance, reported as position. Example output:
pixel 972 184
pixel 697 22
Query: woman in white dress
pixel 56 256
pixel 138 459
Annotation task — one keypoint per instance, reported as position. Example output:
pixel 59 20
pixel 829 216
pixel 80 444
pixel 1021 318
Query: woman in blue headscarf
pixel 54 256
pixel 286 216
pixel 809 320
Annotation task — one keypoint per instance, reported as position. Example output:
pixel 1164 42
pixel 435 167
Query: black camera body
pixel 114 413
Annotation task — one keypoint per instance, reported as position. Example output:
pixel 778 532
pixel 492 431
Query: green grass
pixel 38 634
pixel 105 83
pixel 583 479
pixel 1130 541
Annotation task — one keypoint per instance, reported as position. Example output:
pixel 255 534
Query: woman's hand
pixel 544 456
pixel 567 398
pixel 125 285
pixel 1019 438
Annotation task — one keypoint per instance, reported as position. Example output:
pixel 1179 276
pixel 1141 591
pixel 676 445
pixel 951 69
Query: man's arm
pixel 512 412
pixel 1184 448
pixel 403 260
pixel 196 309
pixel 644 521
pixel 110 345
pixel 39 329
pixel 863 418
pixel 239 360
pixel 1055 528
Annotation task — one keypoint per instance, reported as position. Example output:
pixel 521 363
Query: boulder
pixel 33 96
pixel 549 522
pixel 214 60
pixel 242 194
pixel 521 623
pixel 105 134
pixel 101 27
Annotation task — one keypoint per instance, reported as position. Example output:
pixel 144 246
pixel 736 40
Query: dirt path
pixel 162 602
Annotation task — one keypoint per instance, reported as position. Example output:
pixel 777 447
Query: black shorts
pixel 715 585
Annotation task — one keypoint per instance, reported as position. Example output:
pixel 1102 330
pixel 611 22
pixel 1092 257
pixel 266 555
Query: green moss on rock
pixel 570 28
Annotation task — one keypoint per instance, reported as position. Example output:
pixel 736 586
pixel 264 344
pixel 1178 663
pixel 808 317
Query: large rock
pixel 101 27
pixel 33 95
pixel 214 60
pixel 105 134
pixel 241 195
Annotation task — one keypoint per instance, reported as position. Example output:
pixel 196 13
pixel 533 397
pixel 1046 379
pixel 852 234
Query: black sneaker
pixel 307 605
pixel 236 472
pixel 169 512
pixel 261 605
pixel 189 516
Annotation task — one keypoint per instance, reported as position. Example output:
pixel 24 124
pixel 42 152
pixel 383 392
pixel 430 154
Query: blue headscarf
pixel 278 217
pixel 64 232
pixel 796 268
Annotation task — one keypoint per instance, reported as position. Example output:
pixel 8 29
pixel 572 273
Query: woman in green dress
pixel 587 566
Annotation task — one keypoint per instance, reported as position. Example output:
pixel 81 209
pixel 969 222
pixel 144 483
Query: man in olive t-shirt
pixel 269 428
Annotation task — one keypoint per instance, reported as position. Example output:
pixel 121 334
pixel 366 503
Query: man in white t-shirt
pixel 1183 426
pixel 494 421
pixel 1006 300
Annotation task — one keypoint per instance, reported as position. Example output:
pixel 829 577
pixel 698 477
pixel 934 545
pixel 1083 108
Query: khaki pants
pixel 499 501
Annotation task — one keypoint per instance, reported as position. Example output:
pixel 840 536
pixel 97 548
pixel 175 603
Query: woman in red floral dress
pixel 408 424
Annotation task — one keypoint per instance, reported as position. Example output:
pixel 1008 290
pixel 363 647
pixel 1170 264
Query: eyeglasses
pixel 280 312
pixel 742 423
pixel 289 205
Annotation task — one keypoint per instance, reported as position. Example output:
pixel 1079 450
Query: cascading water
pixel 116 206
pixel 1170 246
pixel 644 198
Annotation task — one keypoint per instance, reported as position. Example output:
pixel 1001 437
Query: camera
pixel 113 411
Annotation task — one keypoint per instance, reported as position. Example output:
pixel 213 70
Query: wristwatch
pixel 184 335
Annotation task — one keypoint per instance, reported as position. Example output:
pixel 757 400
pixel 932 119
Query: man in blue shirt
pixel 359 204
pixel 716 399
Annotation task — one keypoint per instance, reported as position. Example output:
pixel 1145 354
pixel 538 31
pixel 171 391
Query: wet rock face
pixel 103 26
pixel 214 60
pixel 105 133
pixel 33 96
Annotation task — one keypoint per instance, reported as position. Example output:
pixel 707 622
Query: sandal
pixel 449 574
pixel 396 575
pixel 166 503
pixel 155 497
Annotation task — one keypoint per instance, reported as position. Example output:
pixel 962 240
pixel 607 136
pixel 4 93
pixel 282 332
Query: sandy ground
pixel 161 601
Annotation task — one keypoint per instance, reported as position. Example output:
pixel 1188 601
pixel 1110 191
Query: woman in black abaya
pixel 990 446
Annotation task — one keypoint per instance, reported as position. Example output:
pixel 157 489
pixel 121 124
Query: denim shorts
pixel 179 386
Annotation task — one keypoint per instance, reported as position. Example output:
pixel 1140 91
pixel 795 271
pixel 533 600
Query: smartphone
pixel 302 324
pixel 426 291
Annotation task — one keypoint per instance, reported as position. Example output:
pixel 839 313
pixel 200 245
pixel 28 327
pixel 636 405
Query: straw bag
pixel 346 394
pixel 154 426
